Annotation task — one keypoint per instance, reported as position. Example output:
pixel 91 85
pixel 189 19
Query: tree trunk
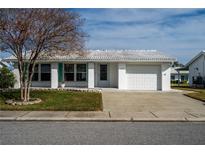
pixel 21 80
pixel 23 74
pixel 25 92
pixel 28 91
pixel 30 75
pixel 22 97
pixel 26 71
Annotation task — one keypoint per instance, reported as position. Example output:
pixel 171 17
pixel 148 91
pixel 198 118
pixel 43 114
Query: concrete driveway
pixel 148 105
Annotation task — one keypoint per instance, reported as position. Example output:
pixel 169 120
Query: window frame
pixel 77 72
pixel 49 72
pixel 104 72
pixel 172 77
pixel 182 77
pixel 65 72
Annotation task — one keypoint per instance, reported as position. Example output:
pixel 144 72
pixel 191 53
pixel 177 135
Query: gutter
pixel 90 60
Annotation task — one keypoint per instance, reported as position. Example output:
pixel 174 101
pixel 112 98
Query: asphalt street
pixel 35 132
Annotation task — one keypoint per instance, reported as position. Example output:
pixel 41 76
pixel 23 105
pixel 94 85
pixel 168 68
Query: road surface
pixel 35 132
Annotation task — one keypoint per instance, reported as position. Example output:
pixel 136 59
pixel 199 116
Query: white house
pixel 179 74
pixel 197 69
pixel 122 69
pixel 2 63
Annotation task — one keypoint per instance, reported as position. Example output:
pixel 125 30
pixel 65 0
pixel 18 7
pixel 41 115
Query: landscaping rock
pixel 18 102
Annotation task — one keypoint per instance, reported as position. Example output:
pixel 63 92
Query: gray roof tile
pixel 111 55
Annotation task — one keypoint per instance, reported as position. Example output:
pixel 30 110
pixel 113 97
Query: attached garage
pixel 143 77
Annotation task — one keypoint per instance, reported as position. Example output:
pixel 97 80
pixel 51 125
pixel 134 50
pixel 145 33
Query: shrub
pixel 184 82
pixel 174 82
pixel 7 78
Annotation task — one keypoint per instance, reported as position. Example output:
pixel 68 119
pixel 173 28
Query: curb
pixel 101 120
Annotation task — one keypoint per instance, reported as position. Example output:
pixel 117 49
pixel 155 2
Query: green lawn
pixel 54 100
pixel 197 93
pixel 180 85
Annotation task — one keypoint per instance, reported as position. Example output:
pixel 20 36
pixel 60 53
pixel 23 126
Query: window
pixel 182 77
pixel 103 72
pixel 69 72
pixel 193 80
pixel 186 77
pixel 172 77
pixel 81 72
pixel 45 72
pixel 35 74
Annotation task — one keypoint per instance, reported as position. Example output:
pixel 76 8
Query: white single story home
pixel 197 70
pixel 179 74
pixel 3 64
pixel 122 69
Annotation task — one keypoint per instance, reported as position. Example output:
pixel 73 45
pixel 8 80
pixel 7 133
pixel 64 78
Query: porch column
pixel 54 75
pixel 17 77
pixel 91 78
pixel 165 77
pixel 122 79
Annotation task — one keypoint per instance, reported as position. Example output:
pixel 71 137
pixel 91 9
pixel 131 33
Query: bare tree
pixel 29 33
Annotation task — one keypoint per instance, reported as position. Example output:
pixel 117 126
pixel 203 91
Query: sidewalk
pixel 99 116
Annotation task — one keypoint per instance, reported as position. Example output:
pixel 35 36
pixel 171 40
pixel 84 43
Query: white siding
pixel 122 77
pixel 54 75
pixel 83 84
pixel 165 75
pixel 91 75
pixel 193 72
pixel 46 84
pixel 113 75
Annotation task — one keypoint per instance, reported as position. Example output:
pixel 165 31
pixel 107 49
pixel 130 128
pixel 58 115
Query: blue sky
pixel 177 32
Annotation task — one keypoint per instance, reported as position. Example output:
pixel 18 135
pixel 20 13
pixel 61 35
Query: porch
pixel 73 75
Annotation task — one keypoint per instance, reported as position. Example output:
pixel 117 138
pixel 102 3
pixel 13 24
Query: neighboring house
pixel 122 69
pixel 197 70
pixel 2 63
pixel 179 74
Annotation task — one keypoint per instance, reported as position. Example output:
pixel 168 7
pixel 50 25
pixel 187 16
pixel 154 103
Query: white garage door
pixel 143 77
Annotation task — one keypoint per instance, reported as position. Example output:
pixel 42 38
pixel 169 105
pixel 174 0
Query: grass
pixel 54 100
pixel 198 93
pixel 180 85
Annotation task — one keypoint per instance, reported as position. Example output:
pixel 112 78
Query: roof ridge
pixel 134 50
pixel 195 58
pixel 114 55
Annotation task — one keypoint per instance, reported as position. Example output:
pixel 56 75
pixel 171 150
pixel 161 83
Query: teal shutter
pixel 60 72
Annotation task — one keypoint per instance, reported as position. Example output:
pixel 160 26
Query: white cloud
pixel 174 31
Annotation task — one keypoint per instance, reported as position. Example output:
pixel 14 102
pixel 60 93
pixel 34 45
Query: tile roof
pixel 3 63
pixel 195 58
pixel 111 55
pixel 174 70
